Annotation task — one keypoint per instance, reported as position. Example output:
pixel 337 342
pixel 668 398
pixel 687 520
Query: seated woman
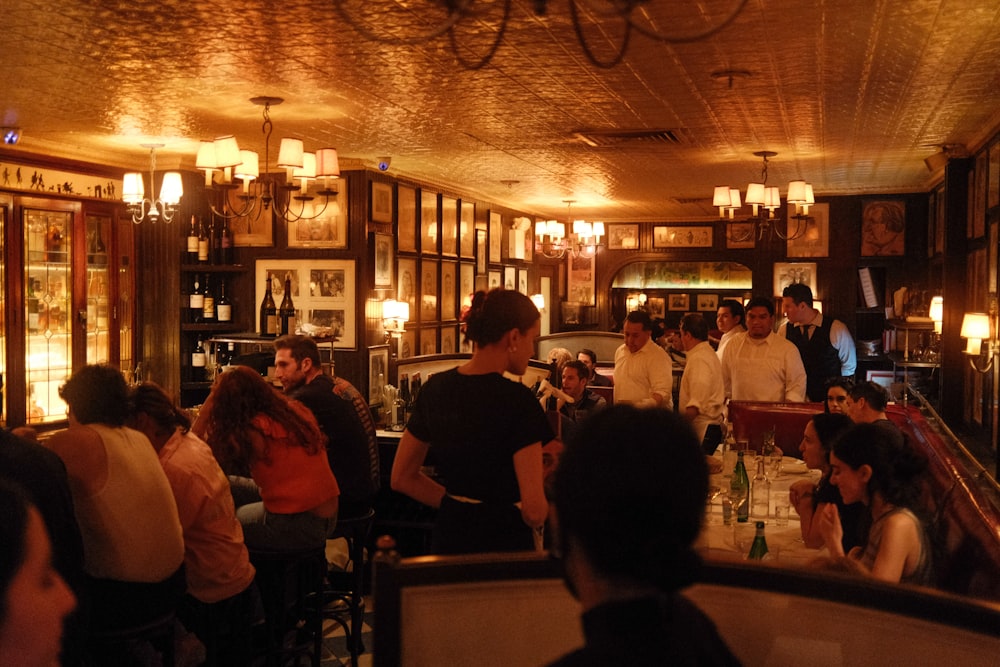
pixel 870 466
pixel 34 599
pixel 251 427
pixel 809 499
pixel 838 395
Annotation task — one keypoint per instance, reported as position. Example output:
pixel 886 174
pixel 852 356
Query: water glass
pixel 775 466
pixel 729 457
pixel 782 509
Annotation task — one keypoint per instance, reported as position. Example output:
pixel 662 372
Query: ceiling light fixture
pixel 584 239
pixel 292 201
pixel 134 192
pixel 760 195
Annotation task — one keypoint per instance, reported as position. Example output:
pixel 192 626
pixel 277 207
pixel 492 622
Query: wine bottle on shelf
pixel 224 357
pixel 223 307
pixel 202 244
pixel 286 313
pixel 208 301
pixel 758 550
pixel 226 244
pixel 739 490
pixel 198 362
pixel 192 242
pixel 268 312
pixel 196 301
pixel 760 492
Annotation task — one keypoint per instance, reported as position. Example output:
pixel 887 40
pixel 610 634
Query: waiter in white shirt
pixel 760 365
pixel 642 369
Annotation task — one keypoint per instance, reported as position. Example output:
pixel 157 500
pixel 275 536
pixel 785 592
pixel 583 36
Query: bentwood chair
pixel 345 589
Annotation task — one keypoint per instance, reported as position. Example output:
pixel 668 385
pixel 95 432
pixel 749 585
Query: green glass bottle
pixel 758 550
pixel 739 490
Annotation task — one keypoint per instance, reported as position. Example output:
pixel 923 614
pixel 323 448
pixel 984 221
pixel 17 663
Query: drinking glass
pixel 782 509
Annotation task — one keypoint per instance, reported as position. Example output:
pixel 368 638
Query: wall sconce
pixel 395 315
pixel 977 327
pixel 936 312
pixel 134 192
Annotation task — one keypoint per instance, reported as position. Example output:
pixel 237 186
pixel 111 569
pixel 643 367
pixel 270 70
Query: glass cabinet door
pixel 3 315
pixel 125 310
pixel 98 318
pixel 48 311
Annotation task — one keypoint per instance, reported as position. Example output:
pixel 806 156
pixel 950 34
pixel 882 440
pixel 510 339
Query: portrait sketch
pixel 381 202
pixel 378 368
pixel 496 237
pixel 467 283
pixel 428 291
pixel 383 260
pixel 406 219
pixel 320 227
pixel 428 340
pixel 428 222
pixel 467 229
pixel 495 278
pixel 447 290
pixel 449 226
pixel 883 229
pixel 406 269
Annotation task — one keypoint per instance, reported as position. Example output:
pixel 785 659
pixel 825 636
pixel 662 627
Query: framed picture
pixel 378 368
pixel 327 230
pixel 982 188
pixel 428 222
pixel 449 339
pixel 467 230
pixel 689 236
pixel 510 277
pixel 740 235
pixel 406 269
pixel 932 223
pixel 883 229
pixel 580 280
pixel 495 278
pixel 496 237
pixel 448 271
pixel 813 231
pixel 786 273
pixel 255 231
pixel 428 340
pixel 708 302
pixel 383 260
pixel 529 242
pixel 323 292
pixel 679 301
pixel 449 226
pixel 993 198
pixel 657 307
pixel 428 290
pixel 406 219
pixel 941 226
pixel 481 252
pixel 623 237
pixel 516 237
pixel 381 204
pixel 522 281
pixel 466 283
pixel 570 313
pixel 407 344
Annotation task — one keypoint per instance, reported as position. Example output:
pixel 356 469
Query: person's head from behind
pixel 96 394
pixel 638 330
pixel 760 317
pixel 729 315
pixel 505 318
pixel 796 303
pixel 618 519
pixel 575 375
pixel 869 460
pixel 295 359
pixel 838 395
pixel 153 413
pixel 818 437
pixel 34 599
pixel 694 330
pixel 868 401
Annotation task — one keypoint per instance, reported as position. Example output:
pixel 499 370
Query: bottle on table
pixel 758 550
pixel 760 492
pixel 223 307
pixel 286 313
pixel 739 490
pixel 268 312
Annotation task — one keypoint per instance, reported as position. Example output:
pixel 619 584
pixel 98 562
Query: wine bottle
pixel 739 490
pixel 192 242
pixel 202 244
pixel 223 307
pixel 196 301
pixel 213 245
pixel 226 244
pixel 268 312
pixel 224 356
pixel 758 550
pixel 208 301
pixel 198 363
pixel 286 313
pixel 760 492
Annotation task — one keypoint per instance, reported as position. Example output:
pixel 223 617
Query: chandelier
pixel 552 242
pixel 224 162
pixel 134 192
pixel 761 196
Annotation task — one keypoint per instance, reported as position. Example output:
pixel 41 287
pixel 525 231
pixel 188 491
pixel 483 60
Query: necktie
pixel 805 331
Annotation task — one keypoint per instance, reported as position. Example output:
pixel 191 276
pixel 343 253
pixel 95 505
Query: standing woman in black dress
pixel 485 435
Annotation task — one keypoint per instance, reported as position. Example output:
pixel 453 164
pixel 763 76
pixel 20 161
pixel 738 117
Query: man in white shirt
pixel 642 369
pixel 729 319
pixel 702 391
pixel 761 365
pixel 825 344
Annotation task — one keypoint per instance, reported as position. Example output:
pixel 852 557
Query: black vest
pixel 819 357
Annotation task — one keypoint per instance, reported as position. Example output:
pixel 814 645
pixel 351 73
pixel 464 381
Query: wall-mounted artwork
pixel 381 202
pixel 679 302
pixel 657 307
pixel 740 235
pixel 448 290
pixel 406 269
pixel 428 291
pixel 688 236
pixel 883 229
pixel 812 233
pixel 496 237
pixel 580 281
pixel 786 273
pixel 467 229
pixel 378 368
pixel 383 260
pixel 429 232
pixel 323 293
pixel 708 303
pixel 449 226
pixel 406 219
pixel 623 237
pixel 327 230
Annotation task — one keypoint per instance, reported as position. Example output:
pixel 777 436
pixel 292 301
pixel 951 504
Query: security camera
pixel 383 163
pixel 11 135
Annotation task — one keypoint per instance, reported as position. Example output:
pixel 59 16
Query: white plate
pixel 793 467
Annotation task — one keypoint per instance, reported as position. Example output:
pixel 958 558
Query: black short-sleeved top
pixel 474 424
pixel 851 516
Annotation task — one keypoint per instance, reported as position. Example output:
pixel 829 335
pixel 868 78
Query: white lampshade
pixel 133 190
pixel 307 172
pixel 721 198
pixel 734 202
pixel 395 313
pixel 172 188
pixel 583 229
pixel 290 153
pixel 541 229
pixel 976 328
pixel 227 152
pixel 327 163
pixel 796 192
pixel 772 199
pixel 755 196
pixel 249 166
pixel 599 230
pixel 936 311
pixel 206 160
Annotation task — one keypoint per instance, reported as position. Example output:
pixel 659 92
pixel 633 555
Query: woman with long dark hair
pixel 485 435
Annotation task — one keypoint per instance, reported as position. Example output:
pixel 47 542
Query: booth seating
pixel 966 512
pixel 428 364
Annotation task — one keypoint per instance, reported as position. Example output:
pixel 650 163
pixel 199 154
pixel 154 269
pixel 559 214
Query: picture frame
pixel 448 282
pixel 381 202
pixel 740 235
pixel 657 307
pixel 254 231
pixel 495 279
pixel 516 237
pixel 328 229
pixel 378 370
pixel 708 303
pixel 623 237
pixel 522 281
pixel 580 280
pixel 467 238
pixel 510 277
pixel 529 242
pixel 323 291
pixel 814 241
pixel 496 237
pixel 682 236
pixel 570 313
pixel 679 302
pixel 407 344
pixel 428 291
pixel 406 286
pixel 466 284
pixel 993 198
pixel 449 339
pixel 449 226
pixel 429 340
pixel 982 191
pixel 406 219
pixel 481 252
pixel 786 273
pixel 429 224
pixel 883 228
pixel 382 248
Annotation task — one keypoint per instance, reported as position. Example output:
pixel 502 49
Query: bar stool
pixel 291 589
pixel 345 591
pixel 158 632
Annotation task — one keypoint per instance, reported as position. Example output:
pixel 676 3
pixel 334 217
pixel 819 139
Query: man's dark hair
pixel 97 394
pixel 581 369
pixel 800 293
pixel 590 353
pixel 613 504
pixel 735 309
pixel 874 394
pixel 151 400
pixel 640 317
pixel 301 347
pixel 695 324
pixel 761 302
pixel 828 426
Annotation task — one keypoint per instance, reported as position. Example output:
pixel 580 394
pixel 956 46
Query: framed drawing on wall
pixel 688 236
pixel 383 260
pixel 580 281
pixel 406 269
pixel 447 290
pixel 381 204
pixel 378 368
pixel 466 283
pixel 467 229
pixel 406 219
pixel 496 237
pixel 407 344
pixel 428 291
pixel 657 307
pixel 428 340
pixel 510 277
pixel 449 339
pixel 786 273
pixel 495 278
pixel 449 226
pixel 323 292
pixel 813 233
pixel 429 232
pixel 623 237
pixel 255 232
pixel 740 234
pixel 522 281
pixel 326 230
pixel 883 229
pixel 481 252
pixel 708 302
pixel 679 301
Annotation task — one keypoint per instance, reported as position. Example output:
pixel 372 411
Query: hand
pixel 800 490
pixel 714 465
pixel 830 528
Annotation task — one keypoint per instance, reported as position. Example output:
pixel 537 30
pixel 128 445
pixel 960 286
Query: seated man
pixel 574 385
pixel 132 539
pixel 589 359
pixel 867 406
pixel 625 538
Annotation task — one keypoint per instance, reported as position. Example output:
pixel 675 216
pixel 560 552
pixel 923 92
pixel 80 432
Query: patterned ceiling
pixel 852 95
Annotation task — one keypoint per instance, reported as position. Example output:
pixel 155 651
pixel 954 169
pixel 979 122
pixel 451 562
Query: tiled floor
pixel 335 653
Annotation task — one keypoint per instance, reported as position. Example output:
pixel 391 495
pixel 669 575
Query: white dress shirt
pixel 641 374
pixel 727 337
pixel 702 387
pixel 768 369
